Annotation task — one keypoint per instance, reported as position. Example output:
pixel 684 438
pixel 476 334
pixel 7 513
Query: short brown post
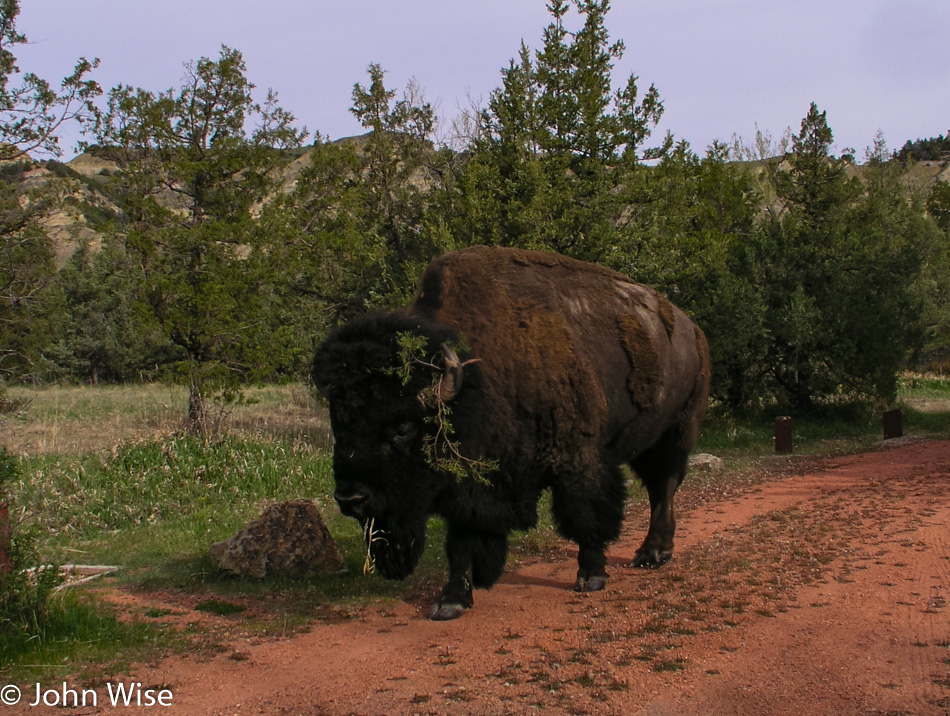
pixel 6 534
pixel 893 424
pixel 783 435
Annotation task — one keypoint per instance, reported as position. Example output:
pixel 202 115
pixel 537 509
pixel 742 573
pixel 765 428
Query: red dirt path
pixel 820 588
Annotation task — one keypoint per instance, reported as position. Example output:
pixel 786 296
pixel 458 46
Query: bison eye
pixel 403 435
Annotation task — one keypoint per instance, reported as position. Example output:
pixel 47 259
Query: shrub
pixel 25 583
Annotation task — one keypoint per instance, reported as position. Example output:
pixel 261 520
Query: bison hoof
pixel 446 611
pixel 651 558
pixel 594 584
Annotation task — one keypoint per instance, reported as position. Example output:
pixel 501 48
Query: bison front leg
pixel 591 569
pixel 456 597
pixel 475 559
pixel 590 513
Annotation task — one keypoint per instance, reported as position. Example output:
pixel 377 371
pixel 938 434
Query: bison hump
pixel 644 379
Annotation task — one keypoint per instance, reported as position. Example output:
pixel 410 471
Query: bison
pixel 512 372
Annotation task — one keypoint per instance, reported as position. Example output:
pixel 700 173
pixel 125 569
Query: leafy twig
pixel 442 450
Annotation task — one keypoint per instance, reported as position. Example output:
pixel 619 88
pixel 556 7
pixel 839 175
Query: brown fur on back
pixel 579 350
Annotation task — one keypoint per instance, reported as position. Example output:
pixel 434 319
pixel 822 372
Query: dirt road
pixel 821 588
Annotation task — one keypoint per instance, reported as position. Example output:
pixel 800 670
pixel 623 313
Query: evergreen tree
pixel 31 114
pixel 704 218
pixel 554 163
pixel 330 270
pixel 931 149
pixel 838 266
pixel 31 306
pixel 107 337
pixel 934 281
pixel 938 205
pixel 193 175
pixel 401 171
pixel 363 217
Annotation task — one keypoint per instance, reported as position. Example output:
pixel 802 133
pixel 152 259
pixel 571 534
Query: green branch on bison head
pixel 441 450
pixel 411 352
pixel 445 456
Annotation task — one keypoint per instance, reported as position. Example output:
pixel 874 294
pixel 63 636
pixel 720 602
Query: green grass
pixel 152 503
pixel 917 387
pixel 153 508
pixel 179 482
pixel 80 635
pixel 831 429
pixel 834 428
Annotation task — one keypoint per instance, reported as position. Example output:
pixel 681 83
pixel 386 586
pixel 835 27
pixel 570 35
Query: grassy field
pixel 106 478
pixel 77 420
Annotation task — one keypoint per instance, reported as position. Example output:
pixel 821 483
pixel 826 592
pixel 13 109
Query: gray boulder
pixel 289 539
pixel 707 462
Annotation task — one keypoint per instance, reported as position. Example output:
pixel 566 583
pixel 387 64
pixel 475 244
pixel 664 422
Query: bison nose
pixel 352 503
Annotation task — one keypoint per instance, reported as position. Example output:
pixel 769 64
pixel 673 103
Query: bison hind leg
pixel 648 557
pixel 661 469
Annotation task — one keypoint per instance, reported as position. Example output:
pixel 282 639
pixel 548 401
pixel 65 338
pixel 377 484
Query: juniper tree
pixel 554 161
pixel 838 267
pixel 192 174
pixel 402 172
pixel 31 115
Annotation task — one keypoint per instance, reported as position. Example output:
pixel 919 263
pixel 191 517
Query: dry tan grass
pixel 75 420
pixel 928 405
pixel 288 412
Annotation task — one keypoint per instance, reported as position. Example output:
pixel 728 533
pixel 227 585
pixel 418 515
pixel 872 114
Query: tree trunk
pixel 197 410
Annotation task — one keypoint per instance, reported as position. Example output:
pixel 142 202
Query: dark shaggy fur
pixel 570 371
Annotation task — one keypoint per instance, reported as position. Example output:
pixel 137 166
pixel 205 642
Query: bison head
pixel 386 378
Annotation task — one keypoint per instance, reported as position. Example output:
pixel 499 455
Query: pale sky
pixel 722 67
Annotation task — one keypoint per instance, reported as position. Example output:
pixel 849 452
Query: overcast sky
pixel 722 67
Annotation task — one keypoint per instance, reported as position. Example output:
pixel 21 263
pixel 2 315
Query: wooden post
pixel 783 435
pixel 893 424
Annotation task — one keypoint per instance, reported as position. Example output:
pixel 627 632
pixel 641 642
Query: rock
pixel 903 440
pixel 705 461
pixel 289 539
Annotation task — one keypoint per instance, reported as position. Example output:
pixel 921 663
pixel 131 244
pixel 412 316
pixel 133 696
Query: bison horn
pixel 451 382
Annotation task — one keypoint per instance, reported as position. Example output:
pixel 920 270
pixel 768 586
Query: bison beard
pixel 569 371
pixel 396 546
